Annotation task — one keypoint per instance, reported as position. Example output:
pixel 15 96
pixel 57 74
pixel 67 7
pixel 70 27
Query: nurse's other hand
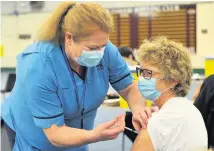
pixel 140 117
pixel 109 130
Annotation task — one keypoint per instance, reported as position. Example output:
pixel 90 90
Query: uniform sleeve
pixel 119 73
pixel 41 93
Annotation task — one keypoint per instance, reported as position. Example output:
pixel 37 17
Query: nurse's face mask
pixel 90 56
pixel 147 84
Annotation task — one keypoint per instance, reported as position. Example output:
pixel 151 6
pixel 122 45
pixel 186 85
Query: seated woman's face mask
pixel 148 89
pixel 90 58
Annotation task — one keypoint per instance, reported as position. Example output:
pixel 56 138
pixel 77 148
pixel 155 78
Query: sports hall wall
pixel 190 24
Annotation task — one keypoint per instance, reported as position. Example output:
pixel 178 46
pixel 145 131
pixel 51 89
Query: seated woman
pixel 165 77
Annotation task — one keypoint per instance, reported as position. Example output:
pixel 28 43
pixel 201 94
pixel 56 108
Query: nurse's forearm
pixel 65 136
pixel 132 96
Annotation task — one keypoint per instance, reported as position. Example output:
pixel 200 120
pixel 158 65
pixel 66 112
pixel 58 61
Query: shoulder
pixel 37 54
pixel 44 48
pixel 111 53
pixel 110 48
pixel 110 45
pixel 171 114
pixel 210 78
pixel 209 82
pixel 35 59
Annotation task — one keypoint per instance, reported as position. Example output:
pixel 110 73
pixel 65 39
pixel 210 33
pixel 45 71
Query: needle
pixel 131 130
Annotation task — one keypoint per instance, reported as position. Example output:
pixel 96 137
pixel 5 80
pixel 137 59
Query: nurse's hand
pixel 141 115
pixel 110 130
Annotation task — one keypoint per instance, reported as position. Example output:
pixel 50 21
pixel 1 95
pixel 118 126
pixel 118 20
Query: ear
pixel 68 38
pixel 175 83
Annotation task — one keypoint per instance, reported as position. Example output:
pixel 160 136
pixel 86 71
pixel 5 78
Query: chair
pixel 9 84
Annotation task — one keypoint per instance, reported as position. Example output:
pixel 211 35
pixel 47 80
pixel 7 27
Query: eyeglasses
pixel 147 74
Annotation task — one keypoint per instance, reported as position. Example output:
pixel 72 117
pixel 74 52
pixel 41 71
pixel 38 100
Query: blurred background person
pixel 205 103
pixel 127 55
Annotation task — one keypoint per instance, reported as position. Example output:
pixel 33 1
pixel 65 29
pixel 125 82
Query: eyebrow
pixel 150 69
pixel 94 46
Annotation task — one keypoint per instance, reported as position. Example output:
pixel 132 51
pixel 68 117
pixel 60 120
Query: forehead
pixel 97 38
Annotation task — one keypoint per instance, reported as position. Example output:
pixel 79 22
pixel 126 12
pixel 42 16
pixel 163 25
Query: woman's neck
pixel 73 64
pixel 164 98
pixel 76 67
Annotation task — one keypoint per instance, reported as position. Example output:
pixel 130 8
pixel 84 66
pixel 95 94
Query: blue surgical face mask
pixel 90 58
pixel 148 89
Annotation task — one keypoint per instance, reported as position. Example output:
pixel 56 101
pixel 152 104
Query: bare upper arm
pixel 143 142
pixel 51 133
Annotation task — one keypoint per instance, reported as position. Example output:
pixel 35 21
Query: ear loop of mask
pixel 161 92
pixel 167 89
pixel 171 88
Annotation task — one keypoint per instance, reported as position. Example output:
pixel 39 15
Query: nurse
pixel 63 77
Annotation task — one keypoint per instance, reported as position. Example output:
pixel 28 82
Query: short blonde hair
pixel 81 20
pixel 171 58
